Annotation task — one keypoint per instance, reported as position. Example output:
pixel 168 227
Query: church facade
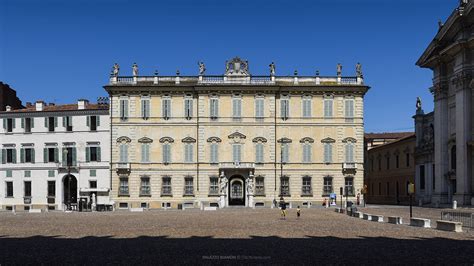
pixel 234 139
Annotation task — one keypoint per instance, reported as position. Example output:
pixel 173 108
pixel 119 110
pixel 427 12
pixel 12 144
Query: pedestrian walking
pixel 298 212
pixel 283 208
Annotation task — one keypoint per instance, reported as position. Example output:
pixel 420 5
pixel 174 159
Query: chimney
pixel 8 108
pixel 39 105
pixel 82 104
pixel 51 104
pixel 28 104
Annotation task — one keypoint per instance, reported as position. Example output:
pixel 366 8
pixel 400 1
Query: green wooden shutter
pixel 14 155
pixel 46 122
pixel 88 154
pixel 88 121
pixel 22 155
pixel 4 123
pixel 45 155
pixel 55 121
pixel 74 161
pixel 32 122
pixel 3 156
pixel 98 154
pixel 32 155
pixel 63 157
pixel 13 122
pixel 56 155
pixel 98 118
pixel 22 122
pixel 64 121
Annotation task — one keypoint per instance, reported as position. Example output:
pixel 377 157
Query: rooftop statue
pixel 339 69
pixel 135 69
pixel 272 69
pixel 115 70
pixel 202 68
pixel 418 103
pixel 359 70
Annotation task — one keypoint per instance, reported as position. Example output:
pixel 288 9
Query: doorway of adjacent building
pixel 70 190
pixel 236 191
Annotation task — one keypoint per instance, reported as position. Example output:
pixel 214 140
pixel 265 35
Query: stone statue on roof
pixel 418 104
pixel 339 69
pixel 202 68
pixel 135 69
pixel 272 69
pixel 358 70
pixel 115 70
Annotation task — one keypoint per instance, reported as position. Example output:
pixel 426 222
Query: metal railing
pixel 466 218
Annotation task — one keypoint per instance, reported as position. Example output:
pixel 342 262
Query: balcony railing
pixel 27 200
pixel 349 166
pixel 123 166
pixel 236 165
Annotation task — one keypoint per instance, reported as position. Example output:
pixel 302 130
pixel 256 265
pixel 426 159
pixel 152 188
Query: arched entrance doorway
pixel 70 190
pixel 236 191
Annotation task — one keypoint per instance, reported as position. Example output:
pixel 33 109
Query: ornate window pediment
pixel 237 135
pixel 285 140
pixel 259 139
pixel 124 139
pixel 349 139
pixel 328 140
pixel 188 140
pixel 306 139
pixel 145 140
pixel 166 139
pixel 214 139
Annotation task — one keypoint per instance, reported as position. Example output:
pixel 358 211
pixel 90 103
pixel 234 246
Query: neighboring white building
pixel 55 156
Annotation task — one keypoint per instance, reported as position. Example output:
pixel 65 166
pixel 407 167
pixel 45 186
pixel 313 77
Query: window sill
pixel 213 195
pixel 289 195
pixel 306 195
pixel 188 195
pixel 9 197
pixel 144 195
pixel 259 195
pixel 166 195
pixel 124 195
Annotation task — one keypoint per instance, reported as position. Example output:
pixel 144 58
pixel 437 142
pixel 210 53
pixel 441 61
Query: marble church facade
pixel 234 139
pixel 450 56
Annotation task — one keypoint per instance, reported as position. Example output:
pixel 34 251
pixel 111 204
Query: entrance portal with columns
pixel 236 185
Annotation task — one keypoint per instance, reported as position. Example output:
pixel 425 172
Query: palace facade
pixel 234 139
pixel 55 157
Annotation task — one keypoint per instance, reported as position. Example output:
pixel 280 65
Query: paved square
pixel 229 235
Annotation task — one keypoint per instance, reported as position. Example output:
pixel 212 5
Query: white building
pixel 55 156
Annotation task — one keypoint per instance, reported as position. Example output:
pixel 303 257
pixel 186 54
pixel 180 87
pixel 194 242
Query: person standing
pixel 283 208
pixel 298 212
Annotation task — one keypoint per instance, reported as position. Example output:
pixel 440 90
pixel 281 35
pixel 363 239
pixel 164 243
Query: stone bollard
pixel 455 204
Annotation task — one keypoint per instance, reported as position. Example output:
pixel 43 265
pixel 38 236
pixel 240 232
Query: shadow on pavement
pixel 207 250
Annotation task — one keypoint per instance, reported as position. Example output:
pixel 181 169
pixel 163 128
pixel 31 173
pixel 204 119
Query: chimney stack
pixel 82 104
pixel 8 108
pixel 39 105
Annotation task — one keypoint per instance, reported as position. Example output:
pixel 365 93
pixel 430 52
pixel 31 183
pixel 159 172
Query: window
pixel 166 105
pixel 27 123
pixel 93 154
pixel 284 107
pixel 214 108
pixel 236 153
pixel 453 157
pixel 349 153
pixel 236 107
pixel 123 153
pixel 214 153
pixel 166 153
pixel 306 106
pixel 92 173
pixel 51 155
pixel 327 152
pixel 407 159
pixel 259 152
pixel 69 156
pixel 380 164
pixel 67 123
pixel 51 189
pixel 27 189
pixel 327 186
pixel 188 107
pixel 145 148
pixel 145 189
pixel 328 106
pixel 92 183
pixel 349 108
pixel 123 108
pixel 422 177
pixel 9 156
pixel 188 186
pixel 285 186
pixel 387 158
pixel 397 161
pixel 306 188
pixel 259 107
pixel 306 152
pixel 51 123
pixel 260 186
pixel 380 188
pixel 166 186
pixel 188 152
pixel 284 152
pixel 349 186
pixel 9 187
pixel 50 173
pixel 9 124
pixel 123 188
pixel 27 173
pixel 27 155
pixel 93 122
pixel 145 110
pixel 213 186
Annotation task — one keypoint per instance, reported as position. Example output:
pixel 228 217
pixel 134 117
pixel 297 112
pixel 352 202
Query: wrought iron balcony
pixel 240 165
pixel 349 166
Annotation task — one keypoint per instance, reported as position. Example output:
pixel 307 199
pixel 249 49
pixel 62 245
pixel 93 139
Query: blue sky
pixel 60 51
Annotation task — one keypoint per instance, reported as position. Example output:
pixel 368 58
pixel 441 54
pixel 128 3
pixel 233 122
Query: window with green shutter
pixel 259 152
pixel 306 106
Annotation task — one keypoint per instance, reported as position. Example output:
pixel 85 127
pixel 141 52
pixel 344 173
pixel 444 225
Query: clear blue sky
pixel 60 51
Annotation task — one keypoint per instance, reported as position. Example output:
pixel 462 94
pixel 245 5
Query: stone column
pixel 463 136
pixel 441 143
